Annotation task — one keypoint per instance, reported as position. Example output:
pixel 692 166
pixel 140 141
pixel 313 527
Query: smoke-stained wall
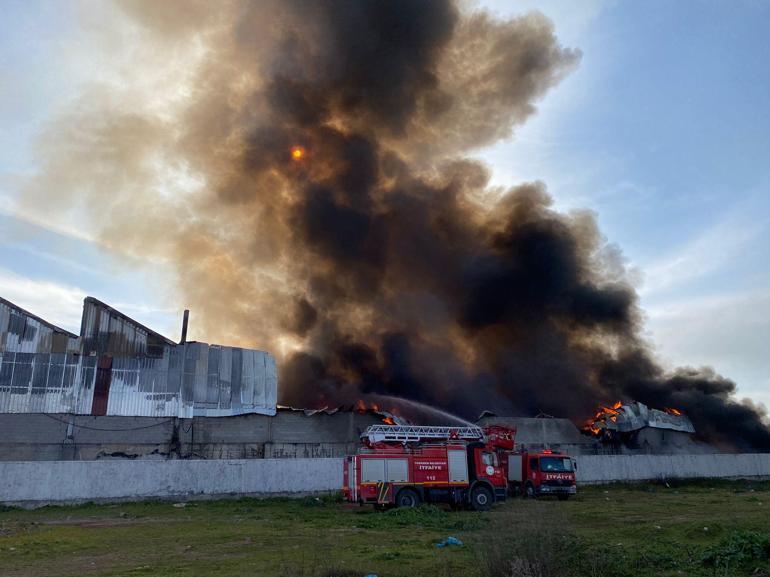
pixel 119 367
pixel 287 434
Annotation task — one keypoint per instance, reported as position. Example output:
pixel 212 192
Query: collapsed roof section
pixel 635 416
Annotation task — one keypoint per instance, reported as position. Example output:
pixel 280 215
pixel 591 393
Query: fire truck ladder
pixel 407 434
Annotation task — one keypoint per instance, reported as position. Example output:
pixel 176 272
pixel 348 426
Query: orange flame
pixel 597 424
pixel 362 406
pixel 671 411
pixel 297 153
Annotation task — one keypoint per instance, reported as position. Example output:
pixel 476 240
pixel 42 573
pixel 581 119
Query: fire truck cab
pixel 405 466
pixel 540 474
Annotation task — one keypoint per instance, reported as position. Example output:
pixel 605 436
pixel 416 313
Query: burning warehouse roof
pixel 634 416
pixel 117 366
pixel 635 427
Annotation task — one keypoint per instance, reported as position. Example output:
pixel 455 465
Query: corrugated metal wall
pixel 106 331
pixel 39 367
pixel 23 332
pixel 142 372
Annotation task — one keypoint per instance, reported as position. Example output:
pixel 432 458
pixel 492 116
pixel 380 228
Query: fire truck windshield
pixel 557 464
pixel 489 459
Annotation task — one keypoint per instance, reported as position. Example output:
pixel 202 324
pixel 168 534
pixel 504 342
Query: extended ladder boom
pixel 415 434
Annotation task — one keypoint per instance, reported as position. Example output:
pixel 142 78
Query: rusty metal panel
pixel 108 331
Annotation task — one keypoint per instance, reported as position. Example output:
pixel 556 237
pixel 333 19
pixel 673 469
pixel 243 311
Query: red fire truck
pixel 407 465
pixel 539 474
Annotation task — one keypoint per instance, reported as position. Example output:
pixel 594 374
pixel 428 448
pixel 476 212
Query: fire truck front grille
pixel 557 483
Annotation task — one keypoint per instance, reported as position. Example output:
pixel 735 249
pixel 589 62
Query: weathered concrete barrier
pixel 42 482
pixel 609 468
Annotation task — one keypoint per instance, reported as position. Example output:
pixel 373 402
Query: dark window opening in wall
pixel 29 332
pixel 155 346
pixel 16 324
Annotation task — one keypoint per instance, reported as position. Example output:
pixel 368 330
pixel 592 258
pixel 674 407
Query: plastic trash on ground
pixel 449 541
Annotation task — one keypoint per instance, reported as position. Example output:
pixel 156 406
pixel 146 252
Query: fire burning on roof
pixel 595 424
pixel 388 418
pixel 626 418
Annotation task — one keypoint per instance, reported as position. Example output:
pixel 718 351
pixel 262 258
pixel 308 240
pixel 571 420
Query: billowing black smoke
pixel 380 261
pixel 469 308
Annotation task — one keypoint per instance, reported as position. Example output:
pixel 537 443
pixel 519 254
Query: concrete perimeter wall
pixel 48 482
pixel 43 482
pixel 609 468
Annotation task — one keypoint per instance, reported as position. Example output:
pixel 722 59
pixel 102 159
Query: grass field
pixel 714 528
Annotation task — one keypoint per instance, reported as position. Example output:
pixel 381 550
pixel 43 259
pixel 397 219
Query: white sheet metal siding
pixel 23 332
pixel 228 380
pixel 150 375
pixel 140 386
pixel 44 382
pixel 195 379
pixel 244 382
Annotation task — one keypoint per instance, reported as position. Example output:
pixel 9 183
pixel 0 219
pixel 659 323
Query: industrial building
pixel 117 366
pixel 636 428
pixel 121 390
pixel 544 432
pixel 626 429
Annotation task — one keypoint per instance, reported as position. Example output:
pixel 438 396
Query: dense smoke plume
pixel 375 259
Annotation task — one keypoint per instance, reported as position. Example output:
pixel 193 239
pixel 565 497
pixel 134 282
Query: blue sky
pixel 663 131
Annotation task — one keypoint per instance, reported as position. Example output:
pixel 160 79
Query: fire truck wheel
pixel 529 491
pixel 407 498
pixel 481 498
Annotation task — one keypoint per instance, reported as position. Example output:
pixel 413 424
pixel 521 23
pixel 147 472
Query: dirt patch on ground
pixel 104 522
